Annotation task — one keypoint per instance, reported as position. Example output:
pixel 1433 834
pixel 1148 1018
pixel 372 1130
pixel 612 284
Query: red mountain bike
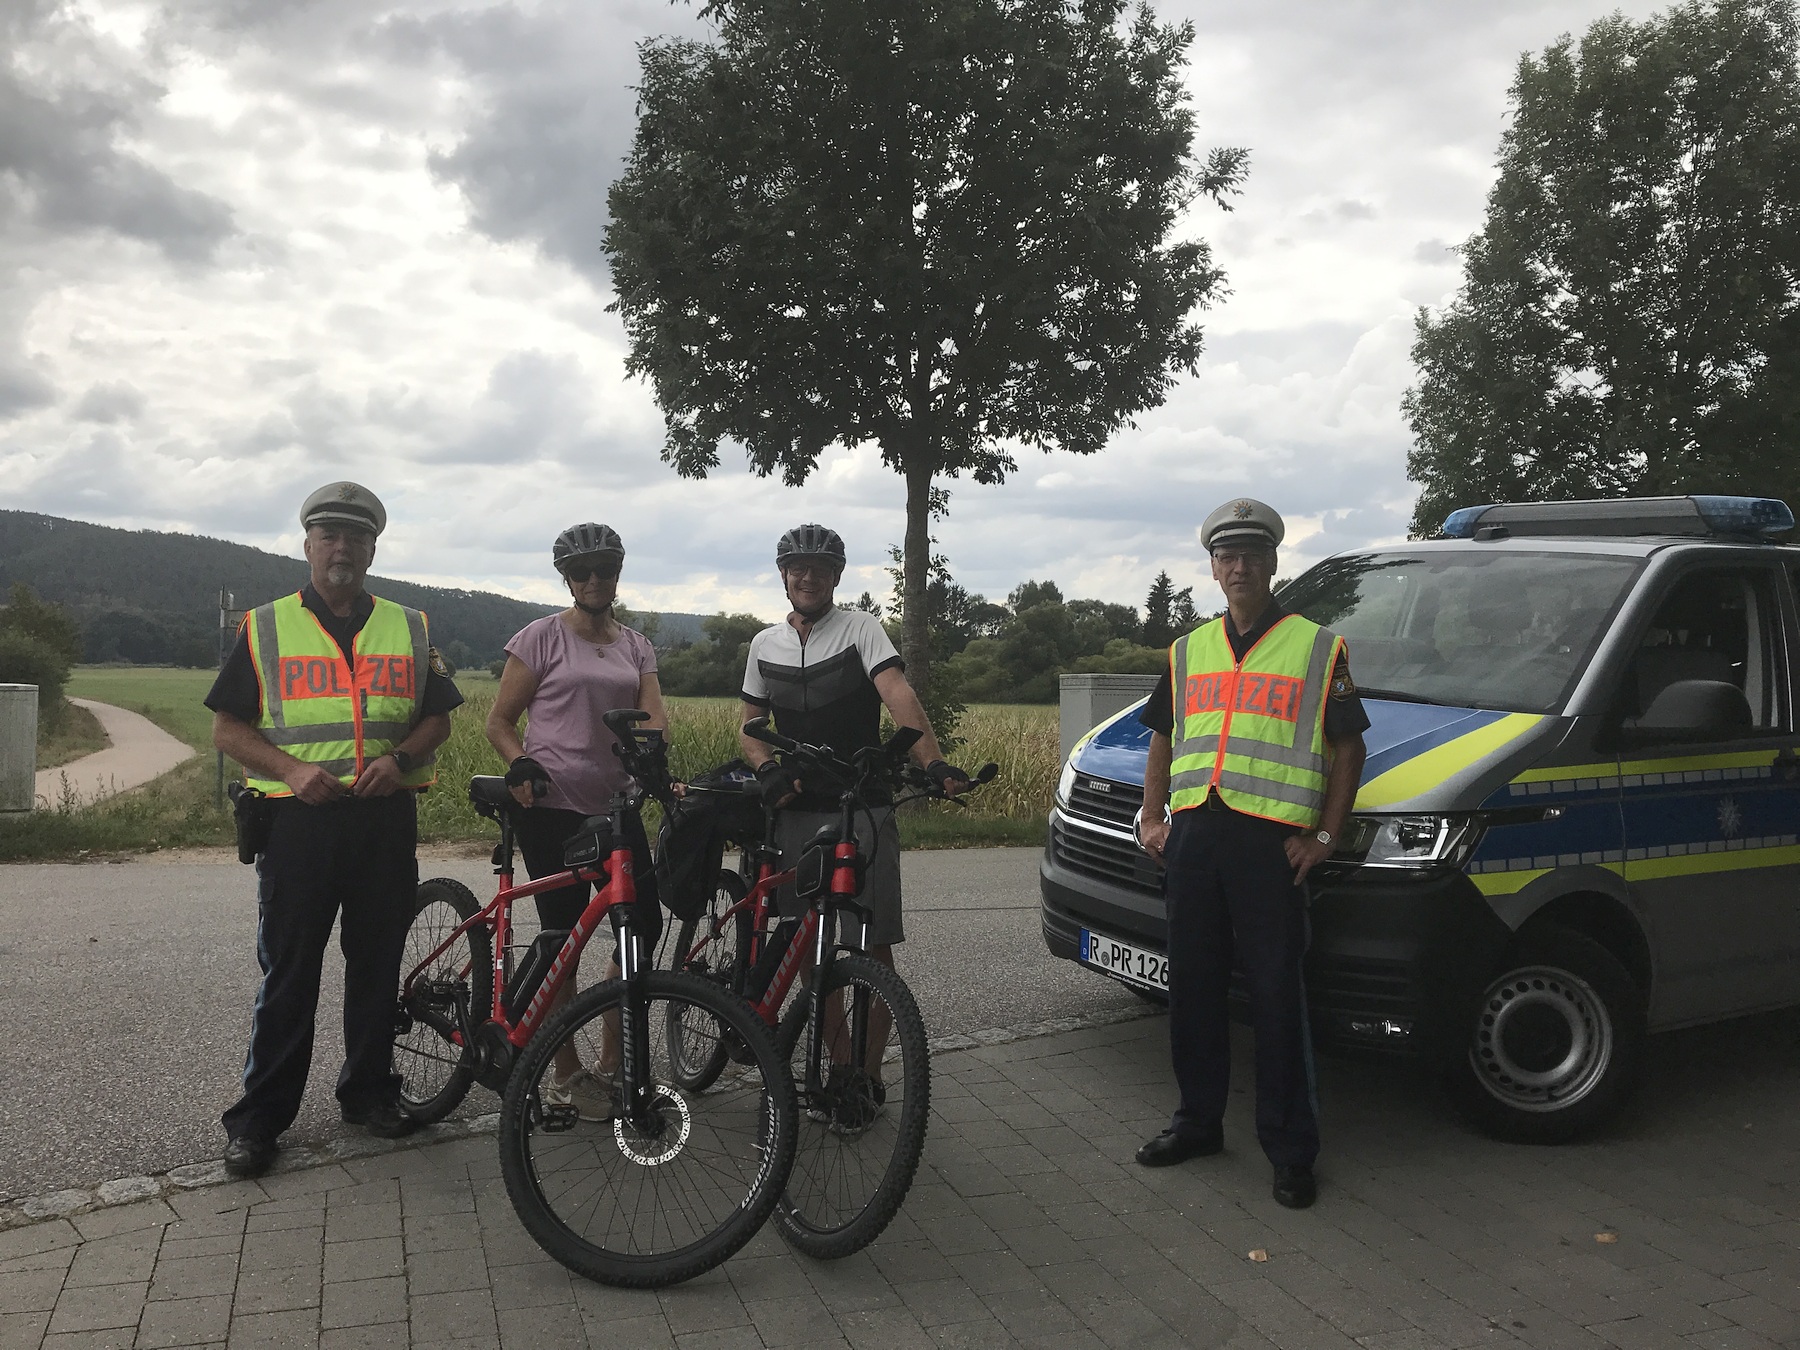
pixel 669 1179
pixel 853 1036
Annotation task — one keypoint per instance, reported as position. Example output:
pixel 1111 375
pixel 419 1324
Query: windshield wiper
pixel 1401 696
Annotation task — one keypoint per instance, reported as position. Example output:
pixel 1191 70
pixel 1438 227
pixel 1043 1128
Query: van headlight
pixel 1414 842
pixel 1066 784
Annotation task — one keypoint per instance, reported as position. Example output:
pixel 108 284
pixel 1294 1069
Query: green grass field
pixel 179 810
pixel 170 698
pixel 70 734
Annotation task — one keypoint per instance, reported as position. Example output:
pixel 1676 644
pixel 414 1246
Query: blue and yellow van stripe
pixel 1426 768
pixel 1604 803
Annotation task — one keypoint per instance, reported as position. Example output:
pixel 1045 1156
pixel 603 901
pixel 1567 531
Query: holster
pixel 254 815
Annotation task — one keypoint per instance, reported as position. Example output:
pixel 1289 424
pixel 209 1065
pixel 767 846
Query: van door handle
pixel 1787 764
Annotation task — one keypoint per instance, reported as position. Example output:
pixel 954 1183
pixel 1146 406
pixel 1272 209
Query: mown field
pixel 179 810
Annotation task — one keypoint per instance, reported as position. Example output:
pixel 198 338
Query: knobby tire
pixel 847 1184
pixel 647 1210
pixel 435 1072
pixel 696 1060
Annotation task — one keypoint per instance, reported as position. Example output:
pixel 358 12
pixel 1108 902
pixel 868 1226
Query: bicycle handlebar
pixel 642 750
pixel 863 763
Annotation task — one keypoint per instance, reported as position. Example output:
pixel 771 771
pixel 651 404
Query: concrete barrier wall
pixel 1088 700
pixel 18 746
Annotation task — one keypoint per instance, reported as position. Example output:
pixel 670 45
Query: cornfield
pixel 1021 739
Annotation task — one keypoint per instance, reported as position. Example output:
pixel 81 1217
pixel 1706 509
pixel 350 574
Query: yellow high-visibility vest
pixel 1253 731
pixel 319 709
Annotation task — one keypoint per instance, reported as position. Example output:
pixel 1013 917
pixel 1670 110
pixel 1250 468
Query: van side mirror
pixel 1693 710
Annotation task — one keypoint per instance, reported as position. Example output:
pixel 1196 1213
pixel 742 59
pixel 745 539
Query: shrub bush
pixel 25 659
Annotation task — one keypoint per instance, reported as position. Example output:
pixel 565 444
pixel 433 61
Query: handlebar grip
pixel 758 729
pixel 987 773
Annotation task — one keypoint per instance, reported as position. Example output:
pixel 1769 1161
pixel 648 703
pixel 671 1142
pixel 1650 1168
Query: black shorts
pixel 543 830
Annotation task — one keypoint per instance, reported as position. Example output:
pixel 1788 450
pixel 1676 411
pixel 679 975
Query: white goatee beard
pixel 339 574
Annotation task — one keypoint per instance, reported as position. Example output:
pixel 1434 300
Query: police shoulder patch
pixel 439 666
pixel 1342 685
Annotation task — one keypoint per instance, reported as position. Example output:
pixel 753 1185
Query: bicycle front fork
pixel 636 1089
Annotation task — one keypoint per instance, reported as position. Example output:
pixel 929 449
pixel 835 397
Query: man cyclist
pixel 824 675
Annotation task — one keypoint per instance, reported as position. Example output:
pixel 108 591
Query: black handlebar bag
pixel 690 842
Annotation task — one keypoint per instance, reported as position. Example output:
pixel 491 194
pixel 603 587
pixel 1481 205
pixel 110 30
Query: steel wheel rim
pixel 1543 1039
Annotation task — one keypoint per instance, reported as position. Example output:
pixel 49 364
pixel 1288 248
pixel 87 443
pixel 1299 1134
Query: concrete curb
pixel 66 1204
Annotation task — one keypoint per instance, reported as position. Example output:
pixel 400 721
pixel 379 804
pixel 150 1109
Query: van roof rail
pixel 1699 516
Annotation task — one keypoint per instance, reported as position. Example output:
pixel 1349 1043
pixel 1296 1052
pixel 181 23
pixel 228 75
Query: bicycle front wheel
pixel 456 988
pixel 661 1200
pixel 699 1056
pixel 863 1130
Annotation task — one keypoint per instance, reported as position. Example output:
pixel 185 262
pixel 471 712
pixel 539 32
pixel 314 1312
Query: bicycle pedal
pixel 558 1119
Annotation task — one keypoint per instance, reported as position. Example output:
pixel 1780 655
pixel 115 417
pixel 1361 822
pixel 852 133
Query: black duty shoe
pixel 1169 1148
pixel 384 1120
pixel 1295 1187
pixel 249 1155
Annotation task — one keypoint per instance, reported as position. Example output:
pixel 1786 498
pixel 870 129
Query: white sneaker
pixel 591 1094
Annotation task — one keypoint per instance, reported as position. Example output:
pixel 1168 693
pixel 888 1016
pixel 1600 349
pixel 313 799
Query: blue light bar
pixel 1617 517
pixel 1745 515
pixel 1461 524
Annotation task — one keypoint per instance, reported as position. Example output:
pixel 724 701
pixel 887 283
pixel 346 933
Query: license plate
pixel 1123 961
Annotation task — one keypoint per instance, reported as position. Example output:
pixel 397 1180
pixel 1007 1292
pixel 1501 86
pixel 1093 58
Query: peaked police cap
pixel 1243 520
pixel 345 503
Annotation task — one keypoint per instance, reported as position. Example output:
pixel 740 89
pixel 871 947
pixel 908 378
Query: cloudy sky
pixel 250 246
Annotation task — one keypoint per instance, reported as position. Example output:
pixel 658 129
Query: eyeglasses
pixel 1229 558
pixel 819 571
pixel 579 572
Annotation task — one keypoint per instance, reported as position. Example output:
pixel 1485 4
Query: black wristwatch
pixel 406 762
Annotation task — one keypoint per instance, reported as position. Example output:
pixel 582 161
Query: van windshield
pixel 1502 630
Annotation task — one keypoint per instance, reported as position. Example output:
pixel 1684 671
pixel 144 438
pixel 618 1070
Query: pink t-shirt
pixel 577 682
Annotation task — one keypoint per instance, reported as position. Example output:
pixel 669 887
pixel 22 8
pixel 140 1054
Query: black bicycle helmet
pixel 587 540
pixel 810 541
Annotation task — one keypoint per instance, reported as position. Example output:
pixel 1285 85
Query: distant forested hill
pixel 153 598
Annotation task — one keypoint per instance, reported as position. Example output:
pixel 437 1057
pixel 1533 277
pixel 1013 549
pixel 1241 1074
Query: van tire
pixel 1554 1046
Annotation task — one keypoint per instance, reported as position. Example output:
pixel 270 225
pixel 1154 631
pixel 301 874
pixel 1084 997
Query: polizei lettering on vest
pixel 1249 691
pixel 320 677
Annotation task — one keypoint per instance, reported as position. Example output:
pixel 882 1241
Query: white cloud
pixel 249 246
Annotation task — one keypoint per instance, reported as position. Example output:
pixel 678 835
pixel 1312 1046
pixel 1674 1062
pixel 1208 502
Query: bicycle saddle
pixel 489 790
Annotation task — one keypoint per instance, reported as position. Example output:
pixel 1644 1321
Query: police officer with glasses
pixel 334 702
pixel 1256 749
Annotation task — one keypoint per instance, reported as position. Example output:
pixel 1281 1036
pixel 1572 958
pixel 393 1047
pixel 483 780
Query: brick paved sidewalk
pixel 1029 1225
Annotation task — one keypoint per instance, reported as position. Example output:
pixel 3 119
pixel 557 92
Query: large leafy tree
pixel 1629 318
pixel 943 227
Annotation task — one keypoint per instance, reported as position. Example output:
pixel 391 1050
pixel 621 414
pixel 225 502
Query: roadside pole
pixel 229 619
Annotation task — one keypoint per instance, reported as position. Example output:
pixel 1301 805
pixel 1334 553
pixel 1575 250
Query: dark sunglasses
pixel 581 571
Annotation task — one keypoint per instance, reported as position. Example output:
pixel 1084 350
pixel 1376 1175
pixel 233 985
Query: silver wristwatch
pixel 1326 837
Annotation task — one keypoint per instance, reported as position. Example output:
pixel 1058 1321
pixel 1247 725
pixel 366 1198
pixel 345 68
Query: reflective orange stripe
pixel 1232 696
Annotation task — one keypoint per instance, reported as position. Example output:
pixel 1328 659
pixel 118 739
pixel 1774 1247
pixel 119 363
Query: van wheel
pixel 1555 1045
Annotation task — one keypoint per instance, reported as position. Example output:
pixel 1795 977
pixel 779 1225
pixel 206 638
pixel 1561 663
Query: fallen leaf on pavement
pixel 1606 1237
pixel 1259 1255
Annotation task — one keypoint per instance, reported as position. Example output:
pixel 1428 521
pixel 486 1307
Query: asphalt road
pixel 127 993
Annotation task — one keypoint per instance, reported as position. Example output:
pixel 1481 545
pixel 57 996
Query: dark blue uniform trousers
pixel 356 857
pixel 1230 892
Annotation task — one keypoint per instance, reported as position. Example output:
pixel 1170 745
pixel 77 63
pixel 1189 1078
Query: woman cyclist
pixel 565 670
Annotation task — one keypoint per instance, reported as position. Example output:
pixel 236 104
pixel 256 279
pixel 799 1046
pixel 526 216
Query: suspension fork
pixel 844 889
pixel 634 1039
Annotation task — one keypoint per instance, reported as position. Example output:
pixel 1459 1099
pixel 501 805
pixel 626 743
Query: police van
pixel 1579 820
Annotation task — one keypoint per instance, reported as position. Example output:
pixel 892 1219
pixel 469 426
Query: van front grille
pixel 1104 857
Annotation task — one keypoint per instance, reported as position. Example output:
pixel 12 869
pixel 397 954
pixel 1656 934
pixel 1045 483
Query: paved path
pixel 135 976
pixel 140 751
pixel 1028 1226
